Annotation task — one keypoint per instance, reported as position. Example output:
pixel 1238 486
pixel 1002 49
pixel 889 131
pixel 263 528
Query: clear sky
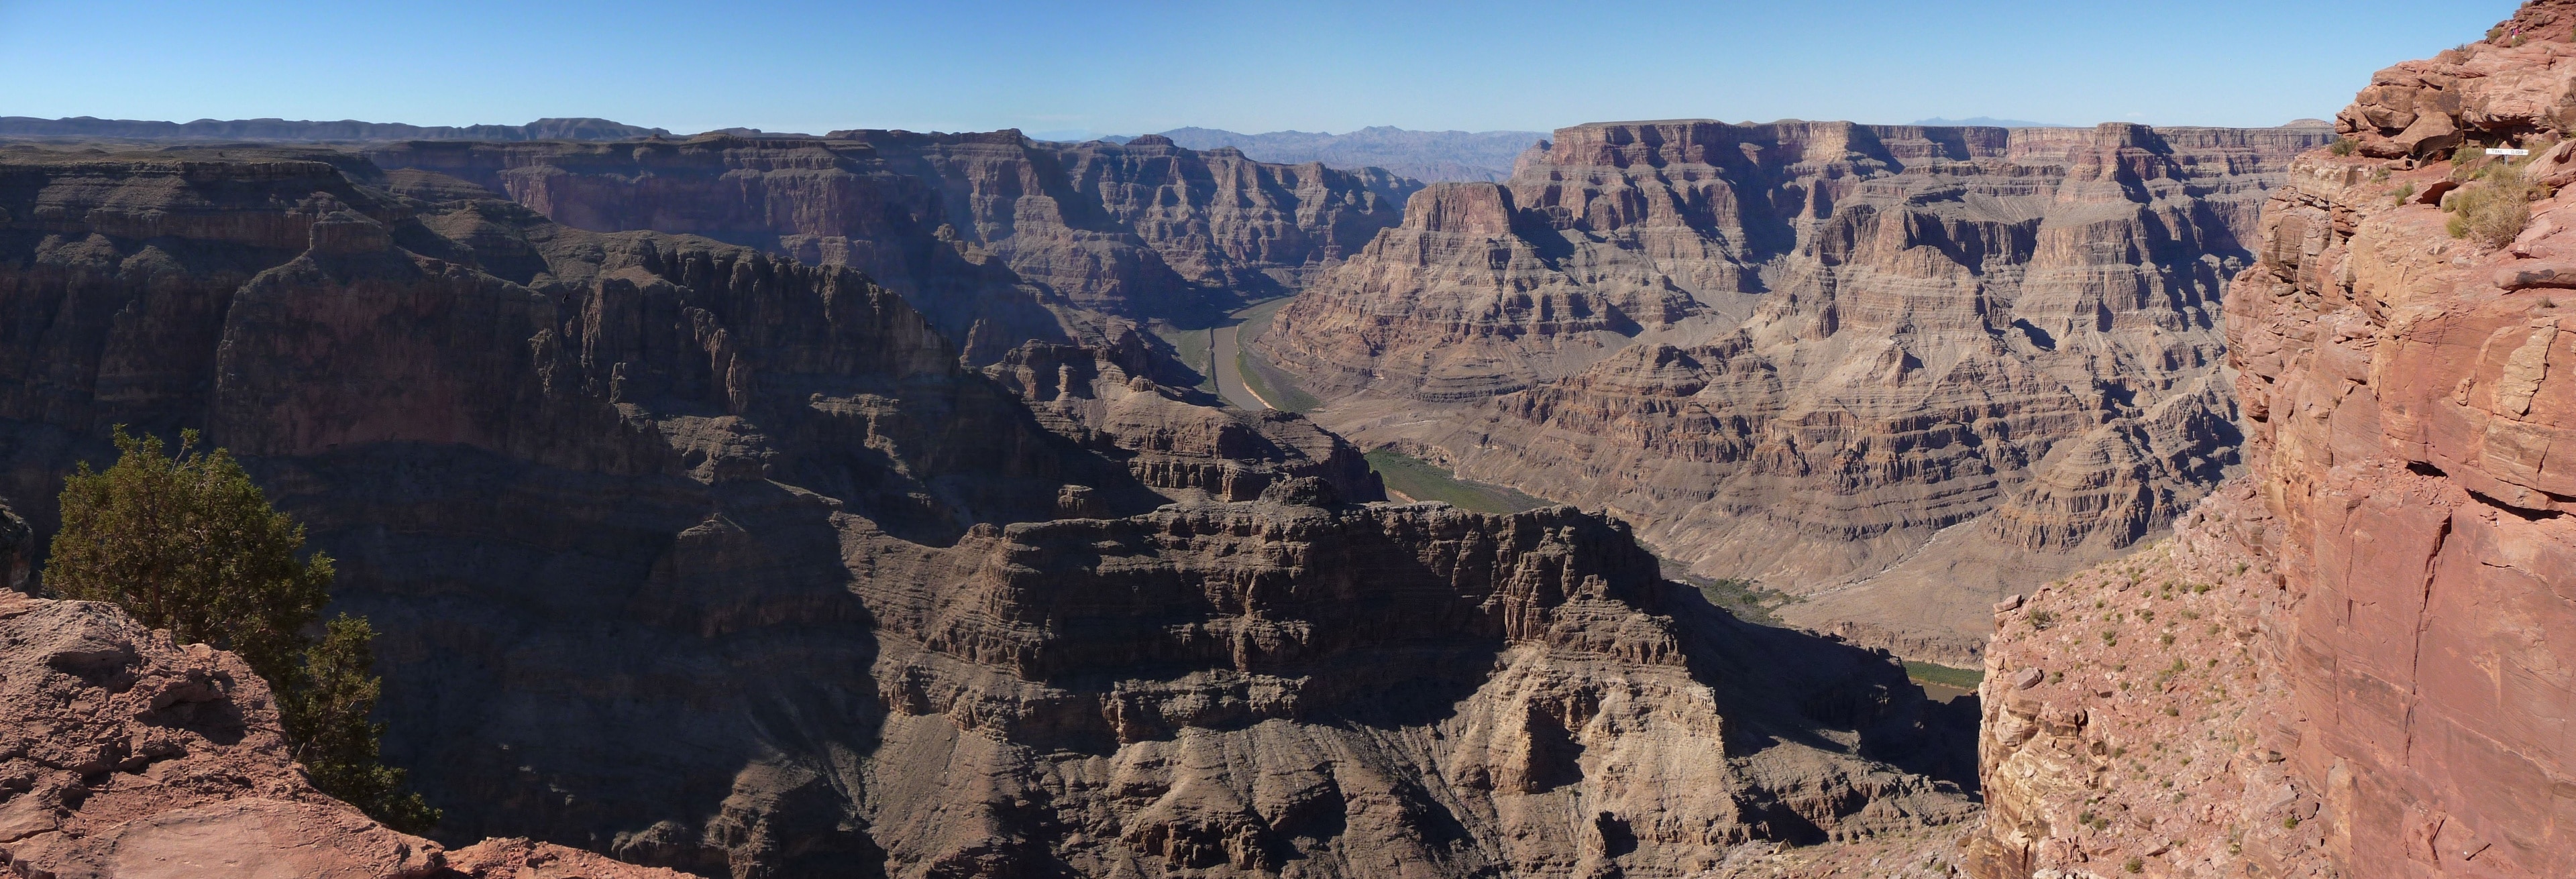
pixel 1247 65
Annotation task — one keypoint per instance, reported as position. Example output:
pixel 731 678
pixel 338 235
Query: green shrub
pixel 185 542
pixel 2344 146
pixel 2492 211
pixel 2405 194
pixel 2135 865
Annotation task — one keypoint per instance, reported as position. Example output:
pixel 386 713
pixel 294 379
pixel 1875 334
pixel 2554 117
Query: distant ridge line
pixel 308 131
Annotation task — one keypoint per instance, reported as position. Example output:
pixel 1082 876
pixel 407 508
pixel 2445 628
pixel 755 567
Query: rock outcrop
pixel 706 558
pixel 999 239
pixel 1798 352
pixel 2382 674
pixel 126 756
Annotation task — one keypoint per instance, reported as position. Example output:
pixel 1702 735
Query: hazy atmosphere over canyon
pixel 1300 440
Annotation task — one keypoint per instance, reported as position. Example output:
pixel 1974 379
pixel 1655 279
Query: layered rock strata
pixel 710 559
pixel 123 754
pixel 1797 352
pixel 999 239
pixel 2396 624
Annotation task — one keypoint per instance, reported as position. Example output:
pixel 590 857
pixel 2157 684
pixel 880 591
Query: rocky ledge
pixel 126 756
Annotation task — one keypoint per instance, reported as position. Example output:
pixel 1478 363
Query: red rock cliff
pixel 2395 620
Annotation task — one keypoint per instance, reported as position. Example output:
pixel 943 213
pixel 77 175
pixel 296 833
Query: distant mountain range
pixel 1989 122
pixel 1429 156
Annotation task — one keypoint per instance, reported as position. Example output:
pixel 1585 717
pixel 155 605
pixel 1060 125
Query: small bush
pixel 2491 212
pixel 2344 146
pixel 2405 194
pixel 2040 620
pixel 2135 865
pixel 2290 823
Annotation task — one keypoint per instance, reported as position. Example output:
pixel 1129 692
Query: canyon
pixel 1897 370
pixel 703 557
pixel 774 506
pixel 2354 660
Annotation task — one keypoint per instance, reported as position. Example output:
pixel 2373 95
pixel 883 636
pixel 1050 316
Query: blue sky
pixel 1127 67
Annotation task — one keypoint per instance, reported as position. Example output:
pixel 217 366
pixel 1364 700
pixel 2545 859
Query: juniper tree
pixel 186 542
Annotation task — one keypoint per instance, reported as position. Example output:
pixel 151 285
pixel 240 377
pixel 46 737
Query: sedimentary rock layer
pixel 707 558
pixel 1796 352
pixel 999 239
pixel 2404 645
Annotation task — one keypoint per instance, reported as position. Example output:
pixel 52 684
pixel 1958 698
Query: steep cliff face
pixel 2408 625
pixel 708 558
pixel 1798 352
pixel 999 239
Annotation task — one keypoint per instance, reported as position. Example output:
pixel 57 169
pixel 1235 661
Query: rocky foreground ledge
pixel 123 754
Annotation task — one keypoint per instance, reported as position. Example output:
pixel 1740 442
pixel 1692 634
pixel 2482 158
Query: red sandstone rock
pixel 529 859
pixel 2388 674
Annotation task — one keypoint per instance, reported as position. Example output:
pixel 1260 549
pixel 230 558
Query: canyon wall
pixel 2381 681
pixel 1909 368
pixel 709 558
pixel 997 238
